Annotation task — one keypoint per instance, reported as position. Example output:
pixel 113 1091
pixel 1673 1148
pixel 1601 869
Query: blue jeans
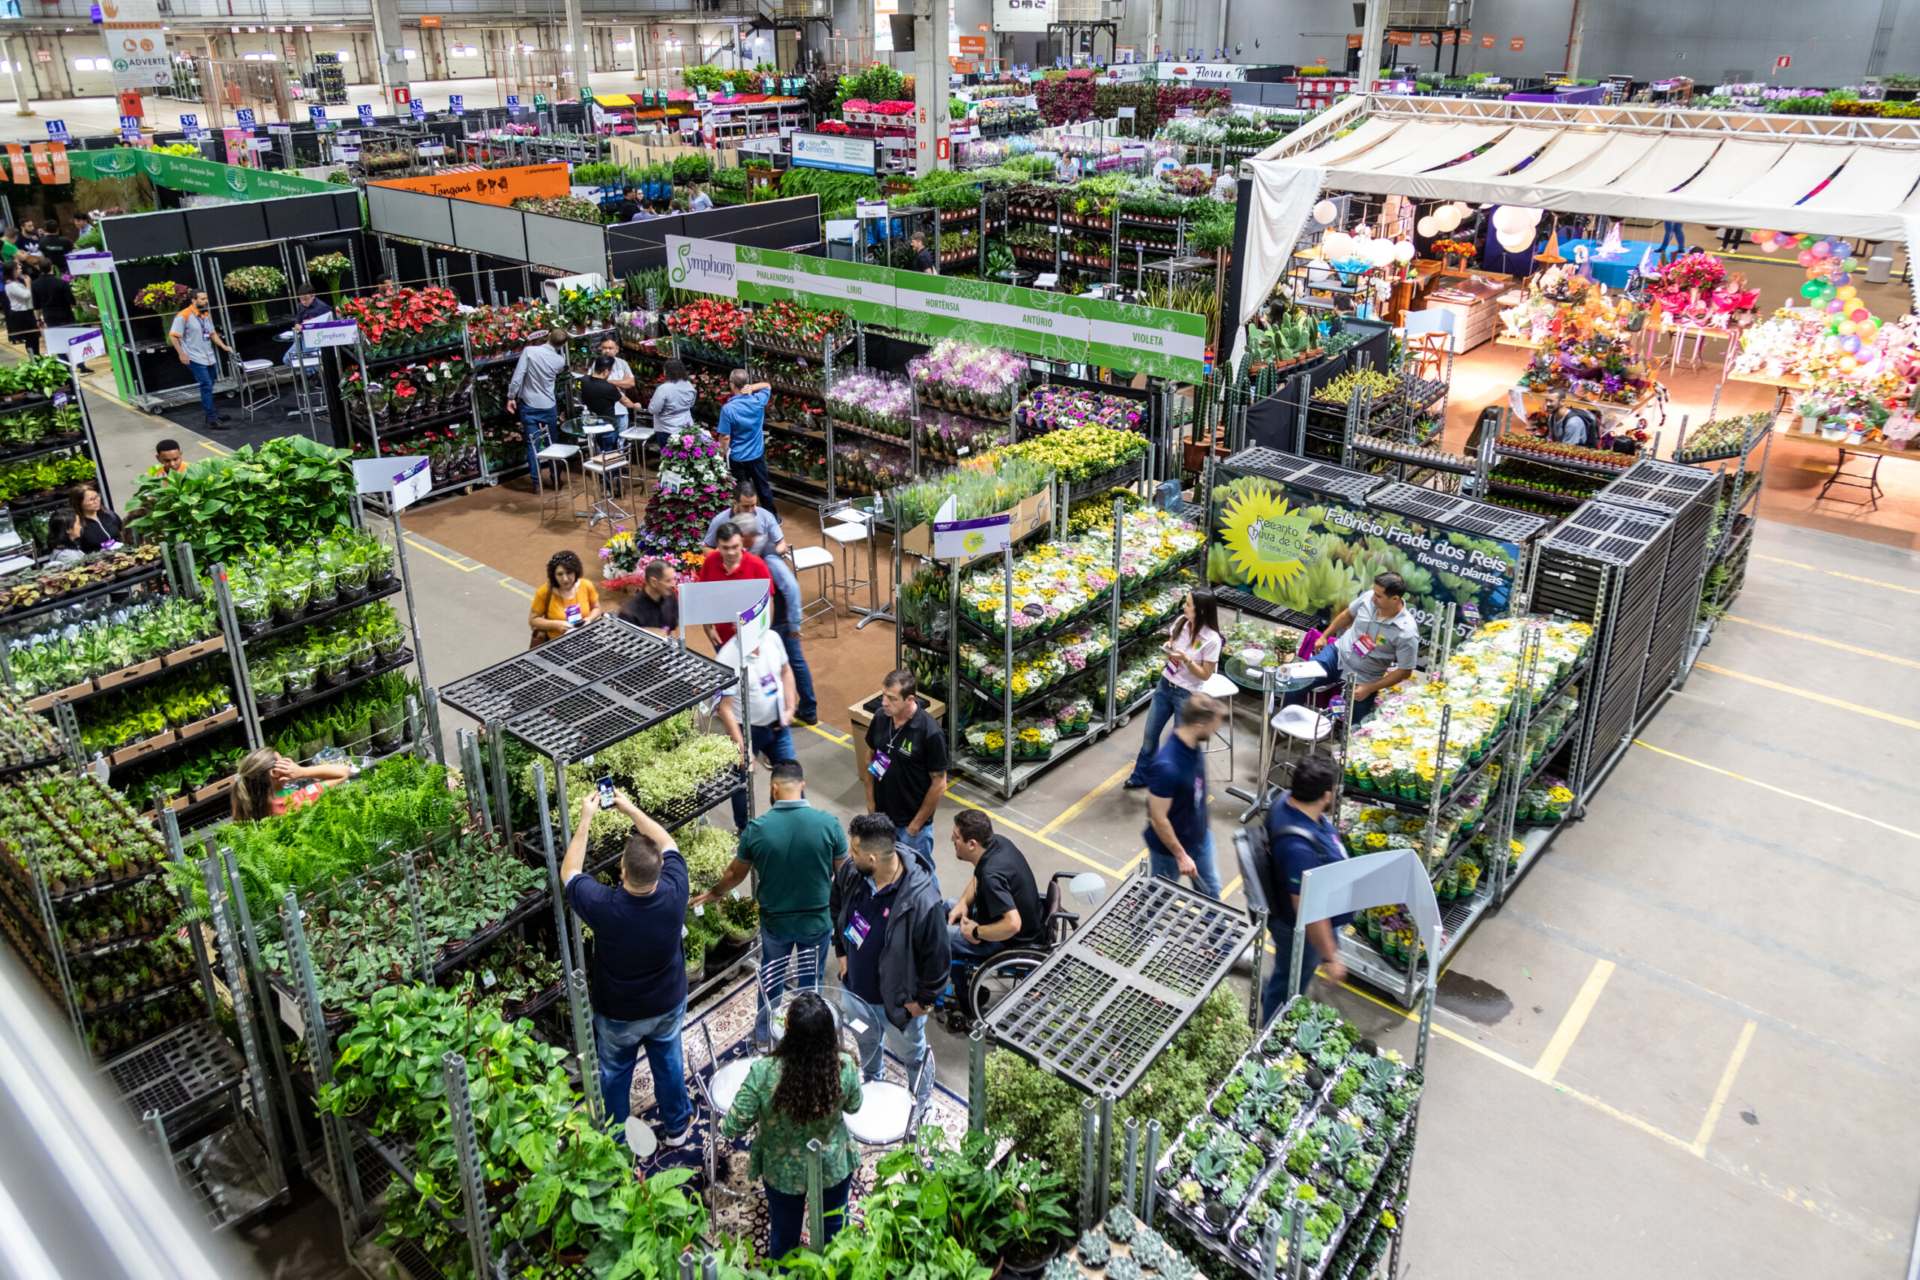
pixel 203 374
pixel 619 1044
pixel 787 1214
pixel 1674 233
pixel 805 972
pixel 969 952
pixel 809 708
pixel 773 741
pixel 1329 657
pixel 911 1043
pixel 1167 867
pixel 1278 987
pixel 1168 698
pixel 537 426
pixel 922 844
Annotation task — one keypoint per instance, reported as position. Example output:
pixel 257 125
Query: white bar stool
pixel 849 526
pixel 1220 685
pixel 720 1089
pixel 560 457
pixel 804 558
pixel 1299 727
pixel 250 397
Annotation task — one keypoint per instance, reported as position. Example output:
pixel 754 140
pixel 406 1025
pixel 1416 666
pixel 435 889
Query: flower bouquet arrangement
pixel 968 379
pixel 410 320
pixel 1455 248
pixel 499 330
pixel 590 309
pixel 256 285
pixel 1698 270
pixel 326 270
pixel 1080 453
pixel 1056 408
pixel 1595 368
pixel 873 402
pixel 709 327
pixel 620 560
pixel 167 296
pixel 791 327
pixel 692 488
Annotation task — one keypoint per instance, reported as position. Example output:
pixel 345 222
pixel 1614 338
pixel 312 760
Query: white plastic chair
pixel 560 457
pixel 250 397
pixel 1220 685
pixel 803 559
pixel 847 527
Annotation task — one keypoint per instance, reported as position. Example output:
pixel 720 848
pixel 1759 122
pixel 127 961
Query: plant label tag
pixel 1126 113
pixel 683 931
pixel 700 909
pixel 487 979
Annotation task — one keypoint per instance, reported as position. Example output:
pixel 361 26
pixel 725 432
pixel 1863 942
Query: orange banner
pixel 1426 39
pixel 1353 42
pixel 1486 42
pixel 1518 44
pixel 41 165
pixel 489 186
pixel 61 172
pixel 1399 38
pixel 974 46
pixel 17 164
pixel 961 66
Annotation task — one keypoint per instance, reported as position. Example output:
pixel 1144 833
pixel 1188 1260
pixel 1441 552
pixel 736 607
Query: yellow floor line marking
pixel 1831 644
pixel 1811 696
pixel 1000 818
pixel 464 568
pixel 1767 786
pixel 829 734
pixel 1079 806
pixel 1231 886
pixel 508 584
pixel 1700 1139
pixel 216 448
pixel 1576 1019
pixel 1850 577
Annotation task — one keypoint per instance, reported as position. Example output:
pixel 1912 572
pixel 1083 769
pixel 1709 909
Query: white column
pixel 577 60
pixel 930 72
pixel 16 53
pixel 1372 42
pixel 388 41
pixel 1576 38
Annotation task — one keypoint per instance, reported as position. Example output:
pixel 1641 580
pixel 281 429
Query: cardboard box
pixel 861 714
pixel 1030 514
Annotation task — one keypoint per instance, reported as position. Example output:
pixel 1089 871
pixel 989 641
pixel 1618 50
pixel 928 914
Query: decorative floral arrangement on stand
pixel 256 286
pixel 163 298
pixel 410 320
pixel 588 309
pixel 1596 367
pixel 1455 248
pixel 623 564
pixel 1696 286
pixel 326 271
pixel 789 326
pixel 496 331
pixel 968 379
pixel 693 486
pixel 414 393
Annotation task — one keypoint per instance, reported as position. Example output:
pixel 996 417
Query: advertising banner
pixel 832 151
pixel 1295 548
pixel 190 173
pixel 1058 326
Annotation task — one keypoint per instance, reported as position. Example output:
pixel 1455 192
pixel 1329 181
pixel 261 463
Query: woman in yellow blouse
pixel 567 601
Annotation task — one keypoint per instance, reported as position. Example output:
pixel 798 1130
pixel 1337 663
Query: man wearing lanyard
pixel 194 338
pixel 1300 837
pixel 768 541
pixel 1375 640
pixel 730 561
pixel 1179 842
pixel 769 711
pixel 903 764
pixel 891 936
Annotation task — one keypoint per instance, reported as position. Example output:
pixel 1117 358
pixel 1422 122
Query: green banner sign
pixel 1056 326
pixel 190 173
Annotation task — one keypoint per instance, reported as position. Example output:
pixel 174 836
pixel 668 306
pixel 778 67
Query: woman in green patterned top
pixel 797 1094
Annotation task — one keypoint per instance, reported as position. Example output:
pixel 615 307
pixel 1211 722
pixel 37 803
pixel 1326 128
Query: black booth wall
pixel 770 224
pixel 1274 422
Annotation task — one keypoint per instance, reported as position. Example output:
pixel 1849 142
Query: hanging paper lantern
pixel 1325 212
pixel 1446 217
pixel 1427 228
pixel 1403 251
pixel 1337 246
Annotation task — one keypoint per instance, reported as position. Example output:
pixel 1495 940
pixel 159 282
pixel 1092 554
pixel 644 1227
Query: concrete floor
pixel 1673 1051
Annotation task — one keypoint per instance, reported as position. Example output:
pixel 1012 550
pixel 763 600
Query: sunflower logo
pixel 1267 542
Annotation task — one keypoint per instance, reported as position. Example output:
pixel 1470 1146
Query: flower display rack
pixel 1108 1001
pixel 1686 495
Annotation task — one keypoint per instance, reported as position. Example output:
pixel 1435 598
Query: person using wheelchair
pixel 1000 907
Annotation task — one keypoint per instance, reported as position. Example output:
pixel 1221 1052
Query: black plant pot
pixel 286 617
pixel 320 603
pixel 268 703
pixel 360 668
pixel 383 743
pixel 351 593
pixel 255 628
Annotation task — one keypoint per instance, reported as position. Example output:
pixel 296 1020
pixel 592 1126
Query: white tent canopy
pixel 1851 177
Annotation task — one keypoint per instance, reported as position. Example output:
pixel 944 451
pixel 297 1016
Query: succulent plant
pixel 1123 1269
pixel 1094 1250
pixel 1062 1268
pixel 1150 1251
pixel 1120 1224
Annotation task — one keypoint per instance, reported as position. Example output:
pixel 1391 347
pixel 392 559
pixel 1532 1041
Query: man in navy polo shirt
pixel 1301 838
pixel 1178 841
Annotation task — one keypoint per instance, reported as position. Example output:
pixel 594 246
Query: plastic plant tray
pixel 174 1071
pixel 1106 1003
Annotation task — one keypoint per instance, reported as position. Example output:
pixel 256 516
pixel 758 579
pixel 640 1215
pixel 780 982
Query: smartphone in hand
pixel 606 792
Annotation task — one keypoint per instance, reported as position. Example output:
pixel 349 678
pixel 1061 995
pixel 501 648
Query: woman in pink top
pixel 1193 651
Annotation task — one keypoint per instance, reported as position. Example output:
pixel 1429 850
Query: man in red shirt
pixel 730 561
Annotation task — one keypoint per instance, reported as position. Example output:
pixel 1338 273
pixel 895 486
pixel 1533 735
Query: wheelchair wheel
pixel 998 976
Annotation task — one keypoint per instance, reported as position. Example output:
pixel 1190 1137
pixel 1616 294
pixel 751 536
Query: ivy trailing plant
pixel 286 491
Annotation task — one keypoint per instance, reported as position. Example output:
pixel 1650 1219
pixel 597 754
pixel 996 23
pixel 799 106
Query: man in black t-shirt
pixel 600 397
pixel 903 764
pixel 656 605
pixel 922 256
pixel 626 206
pixel 1000 906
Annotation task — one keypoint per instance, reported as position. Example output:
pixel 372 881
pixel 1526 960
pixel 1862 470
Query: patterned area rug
pixel 738 1207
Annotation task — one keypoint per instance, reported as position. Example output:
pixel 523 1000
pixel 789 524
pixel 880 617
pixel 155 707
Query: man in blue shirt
pixel 742 432
pixel 1178 841
pixel 639 978
pixel 1300 838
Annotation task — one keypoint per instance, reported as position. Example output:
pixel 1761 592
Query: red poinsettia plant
pixel 497 330
pixel 790 324
pixel 407 320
